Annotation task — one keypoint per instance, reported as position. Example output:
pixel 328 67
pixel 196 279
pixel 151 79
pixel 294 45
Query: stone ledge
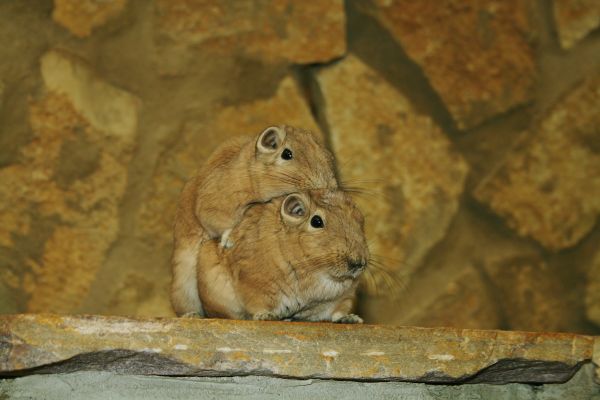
pixel 40 343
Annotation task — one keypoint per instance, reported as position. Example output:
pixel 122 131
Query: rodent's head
pixel 324 232
pixel 288 159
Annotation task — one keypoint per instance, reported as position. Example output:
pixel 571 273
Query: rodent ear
pixel 270 140
pixel 294 208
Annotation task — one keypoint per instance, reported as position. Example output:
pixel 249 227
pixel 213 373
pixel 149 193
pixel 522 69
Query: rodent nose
pixel 356 264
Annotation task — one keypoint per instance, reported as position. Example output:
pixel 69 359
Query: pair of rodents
pixel 291 243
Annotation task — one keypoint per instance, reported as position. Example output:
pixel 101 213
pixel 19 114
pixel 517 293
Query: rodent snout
pixel 356 264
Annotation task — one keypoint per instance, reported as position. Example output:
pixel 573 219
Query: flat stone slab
pixel 109 385
pixel 38 343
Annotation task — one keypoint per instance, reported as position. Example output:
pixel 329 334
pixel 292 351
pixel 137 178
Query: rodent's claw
pixel 265 316
pixel 349 319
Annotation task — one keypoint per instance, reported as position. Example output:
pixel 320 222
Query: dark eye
pixel 287 154
pixel 316 222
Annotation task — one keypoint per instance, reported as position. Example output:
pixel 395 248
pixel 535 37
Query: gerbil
pixel 242 171
pixel 297 257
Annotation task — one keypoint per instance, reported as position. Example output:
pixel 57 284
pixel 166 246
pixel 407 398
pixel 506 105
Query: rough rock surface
pixel 60 202
pixel 592 295
pixel 94 385
pixel 51 343
pixel 81 17
pixel 199 138
pixel 476 54
pixel 464 302
pixel 575 19
pixel 412 176
pixel 549 187
pixel 527 287
pixel 289 31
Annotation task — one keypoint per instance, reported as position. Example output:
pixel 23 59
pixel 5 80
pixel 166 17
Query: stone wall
pixel 469 131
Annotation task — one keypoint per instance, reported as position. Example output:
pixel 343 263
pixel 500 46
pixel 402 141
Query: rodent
pixel 242 171
pixel 297 257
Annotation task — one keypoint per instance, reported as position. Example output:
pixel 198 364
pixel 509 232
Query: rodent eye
pixel 316 222
pixel 287 154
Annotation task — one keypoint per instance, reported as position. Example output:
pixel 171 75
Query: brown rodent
pixel 242 171
pixel 297 257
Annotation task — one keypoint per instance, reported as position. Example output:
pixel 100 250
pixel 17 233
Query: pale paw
pixel 349 319
pixel 226 242
pixel 265 316
pixel 192 314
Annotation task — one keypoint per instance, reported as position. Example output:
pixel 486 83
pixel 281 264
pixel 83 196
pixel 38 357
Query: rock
pixel 288 31
pixel 106 107
pixel 592 293
pixel 464 302
pixel 81 17
pixel 200 136
pixel 476 55
pixel 452 287
pixel 1 94
pixel 549 187
pixel 93 384
pixel 412 176
pixel 532 296
pixel 575 19
pixel 204 347
pixel 60 207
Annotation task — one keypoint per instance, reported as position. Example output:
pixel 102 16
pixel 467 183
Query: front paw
pixel 265 316
pixel 349 319
pixel 226 242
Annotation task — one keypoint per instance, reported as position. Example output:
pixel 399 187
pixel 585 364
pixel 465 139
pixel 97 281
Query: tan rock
pixel 199 139
pixel 106 107
pixel 412 176
pixel 575 19
pixel 476 54
pixel 549 188
pixel 194 347
pixel 71 175
pixel 81 17
pixel 292 31
pixel 592 293
pixel 532 295
pixel 464 302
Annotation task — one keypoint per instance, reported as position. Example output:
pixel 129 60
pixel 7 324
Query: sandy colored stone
pixel 596 357
pixel 104 106
pixel 290 31
pixel 199 138
pixel 63 197
pixel 412 176
pixel 592 293
pixel 463 302
pixel 196 347
pixel 476 54
pixel 549 187
pixel 81 17
pixel 531 295
pixel 575 19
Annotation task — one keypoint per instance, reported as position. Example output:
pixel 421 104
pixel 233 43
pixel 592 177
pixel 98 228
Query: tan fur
pixel 282 269
pixel 236 175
